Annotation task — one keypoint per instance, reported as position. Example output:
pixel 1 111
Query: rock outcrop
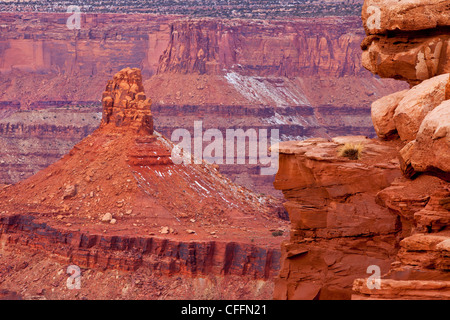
pixel 125 103
pixel 385 208
pixel 419 116
pixel 422 119
pixel 116 201
pixel 404 15
pixel 429 152
pixel 406 40
pixel 338 228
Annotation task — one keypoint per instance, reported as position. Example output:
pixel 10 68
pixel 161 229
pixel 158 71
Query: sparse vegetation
pixel 253 9
pixel 277 233
pixel 351 151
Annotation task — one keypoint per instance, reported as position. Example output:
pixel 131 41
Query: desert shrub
pixel 277 233
pixel 351 151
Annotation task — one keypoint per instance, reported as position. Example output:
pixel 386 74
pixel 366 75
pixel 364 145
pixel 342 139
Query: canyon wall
pixel 370 217
pixel 38 53
pixel 338 228
pixel 303 77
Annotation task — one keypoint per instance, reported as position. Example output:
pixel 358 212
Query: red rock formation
pixel 406 40
pixel 41 60
pixel 408 216
pixel 337 227
pixel 111 204
pixel 260 66
pixel 125 103
pixel 411 15
pixel 128 253
pixel 421 269
pixel 212 46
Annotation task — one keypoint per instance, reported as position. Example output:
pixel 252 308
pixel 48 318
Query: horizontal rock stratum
pixel 410 42
pixel 407 40
pixel 116 201
pixel 362 206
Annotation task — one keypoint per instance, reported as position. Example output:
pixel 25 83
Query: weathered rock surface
pixel 349 215
pixel 125 103
pixel 383 111
pixel 430 151
pixel 421 117
pixel 412 40
pixel 406 40
pixel 403 290
pixel 102 204
pixel 405 15
pixel 417 103
pixel 337 227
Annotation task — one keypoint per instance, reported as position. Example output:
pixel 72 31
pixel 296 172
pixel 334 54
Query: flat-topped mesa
pixel 125 103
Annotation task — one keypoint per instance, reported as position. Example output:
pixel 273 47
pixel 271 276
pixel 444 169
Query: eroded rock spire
pixel 125 103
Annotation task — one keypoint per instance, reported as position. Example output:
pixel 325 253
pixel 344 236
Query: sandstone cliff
pixel 303 77
pixel 338 228
pixel 359 205
pixel 406 40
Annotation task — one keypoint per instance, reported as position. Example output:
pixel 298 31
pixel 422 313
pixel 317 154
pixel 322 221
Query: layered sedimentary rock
pixel 348 216
pixel 403 181
pixel 117 201
pixel 421 119
pixel 338 229
pixel 42 60
pixel 31 140
pixel 229 74
pixel 406 39
pixel 125 103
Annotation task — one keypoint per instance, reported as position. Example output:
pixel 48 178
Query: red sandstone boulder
pixel 381 16
pixel 383 111
pixel 417 103
pixel 430 151
pixel 417 46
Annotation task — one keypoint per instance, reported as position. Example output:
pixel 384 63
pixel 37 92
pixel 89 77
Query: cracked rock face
pixel 430 150
pixel 407 40
pixel 125 103
pixel 382 16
